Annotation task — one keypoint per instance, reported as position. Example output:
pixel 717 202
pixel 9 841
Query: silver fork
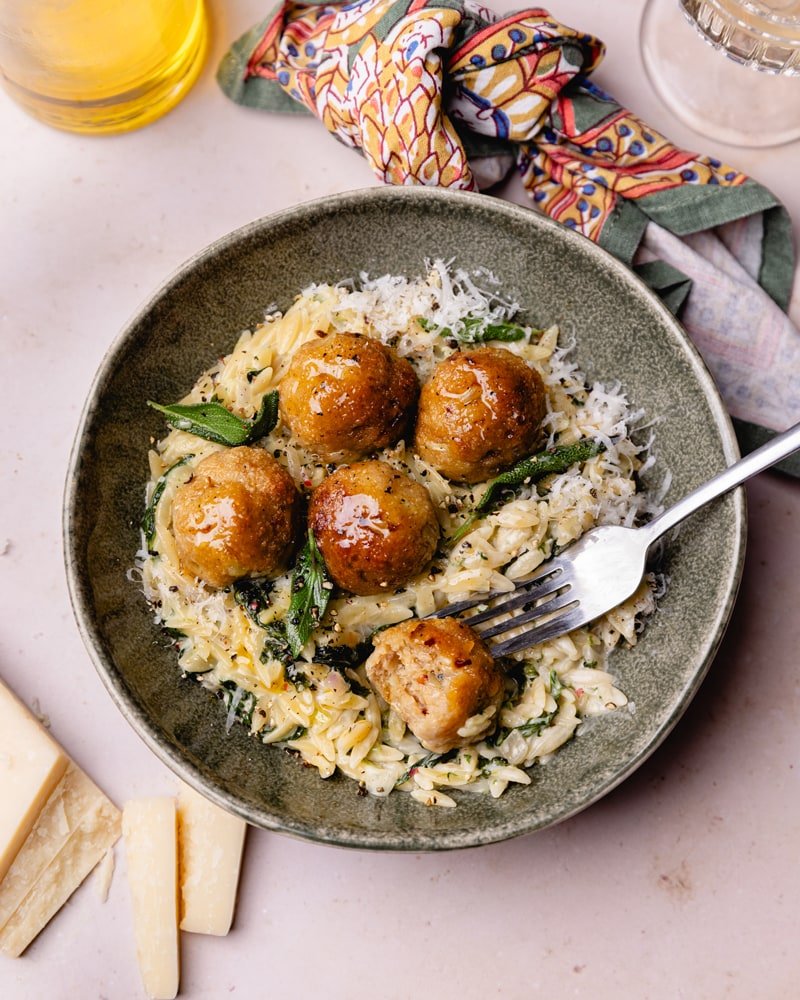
pixel 600 570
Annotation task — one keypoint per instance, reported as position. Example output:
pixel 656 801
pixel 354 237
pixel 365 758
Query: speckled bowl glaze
pixel 621 331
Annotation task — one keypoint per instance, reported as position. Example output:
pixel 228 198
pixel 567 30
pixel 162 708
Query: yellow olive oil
pixel 100 66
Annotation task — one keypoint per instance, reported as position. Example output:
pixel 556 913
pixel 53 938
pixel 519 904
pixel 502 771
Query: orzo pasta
pixel 326 711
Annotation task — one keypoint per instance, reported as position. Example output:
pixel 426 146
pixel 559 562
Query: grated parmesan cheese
pixel 336 722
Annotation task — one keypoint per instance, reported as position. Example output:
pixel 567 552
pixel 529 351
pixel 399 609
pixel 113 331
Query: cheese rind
pixel 96 831
pixel 73 804
pixel 211 842
pixel 149 827
pixel 31 765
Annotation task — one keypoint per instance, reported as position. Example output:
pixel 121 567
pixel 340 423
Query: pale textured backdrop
pixel 682 883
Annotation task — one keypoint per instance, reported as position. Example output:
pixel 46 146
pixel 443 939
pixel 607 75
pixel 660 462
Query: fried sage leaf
pixel 148 523
pixel 529 470
pixel 240 704
pixel 214 422
pixel 254 597
pixel 478 330
pixel 311 591
pixel 276 644
pixel 267 417
pixel 343 657
pixel 309 600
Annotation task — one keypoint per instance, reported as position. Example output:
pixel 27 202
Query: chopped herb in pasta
pixel 287 648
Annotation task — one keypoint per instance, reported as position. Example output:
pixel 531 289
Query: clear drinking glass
pixel 100 66
pixel 750 98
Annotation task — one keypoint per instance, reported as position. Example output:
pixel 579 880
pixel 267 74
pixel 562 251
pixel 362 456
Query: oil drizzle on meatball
pixel 376 527
pixel 347 395
pixel 480 412
pixel 237 516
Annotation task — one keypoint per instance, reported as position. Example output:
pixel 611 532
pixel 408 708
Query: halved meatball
pixel 376 527
pixel 481 411
pixel 437 674
pixel 237 516
pixel 347 395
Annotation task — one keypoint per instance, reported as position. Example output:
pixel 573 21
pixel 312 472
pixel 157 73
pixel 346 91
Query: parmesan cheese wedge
pixel 211 842
pixel 31 765
pixel 75 830
pixel 149 827
pixel 77 826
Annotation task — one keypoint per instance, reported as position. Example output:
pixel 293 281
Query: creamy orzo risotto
pixel 319 704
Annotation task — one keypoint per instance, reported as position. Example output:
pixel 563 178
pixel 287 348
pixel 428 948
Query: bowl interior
pixel 621 333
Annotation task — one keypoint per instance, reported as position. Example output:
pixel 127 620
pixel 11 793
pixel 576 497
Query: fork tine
pixel 544 571
pixel 561 600
pixel 563 623
pixel 543 586
pixel 450 610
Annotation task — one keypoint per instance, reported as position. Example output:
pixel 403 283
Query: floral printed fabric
pixel 443 92
pixel 420 85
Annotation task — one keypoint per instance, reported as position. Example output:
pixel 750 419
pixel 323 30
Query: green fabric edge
pixel 255 91
pixel 751 436
pixel 693 208
pixel 591 109
pixel 671 285
pixel 777 272
pixel 624 231
pixel 478 146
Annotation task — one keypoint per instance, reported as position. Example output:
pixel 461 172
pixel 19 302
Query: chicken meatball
pixel 237 516
pixel 375 527
pixel 481 411
pixel 347 395
pixel 438 675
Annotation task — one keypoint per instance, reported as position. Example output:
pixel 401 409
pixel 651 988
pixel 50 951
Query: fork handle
pixel 767 455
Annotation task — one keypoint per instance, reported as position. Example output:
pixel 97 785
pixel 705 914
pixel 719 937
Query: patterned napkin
pixel 442 92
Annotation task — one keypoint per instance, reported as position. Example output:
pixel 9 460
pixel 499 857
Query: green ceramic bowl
pixel 622 332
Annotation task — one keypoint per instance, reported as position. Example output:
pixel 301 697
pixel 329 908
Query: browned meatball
pixel 481 411
pixel 347 395
pixel 375 526
pixel 436 674
pixel 237 516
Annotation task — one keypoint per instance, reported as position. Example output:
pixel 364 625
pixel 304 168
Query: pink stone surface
pixel 682 883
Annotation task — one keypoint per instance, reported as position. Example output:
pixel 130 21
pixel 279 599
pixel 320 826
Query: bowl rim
pixel 418 841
